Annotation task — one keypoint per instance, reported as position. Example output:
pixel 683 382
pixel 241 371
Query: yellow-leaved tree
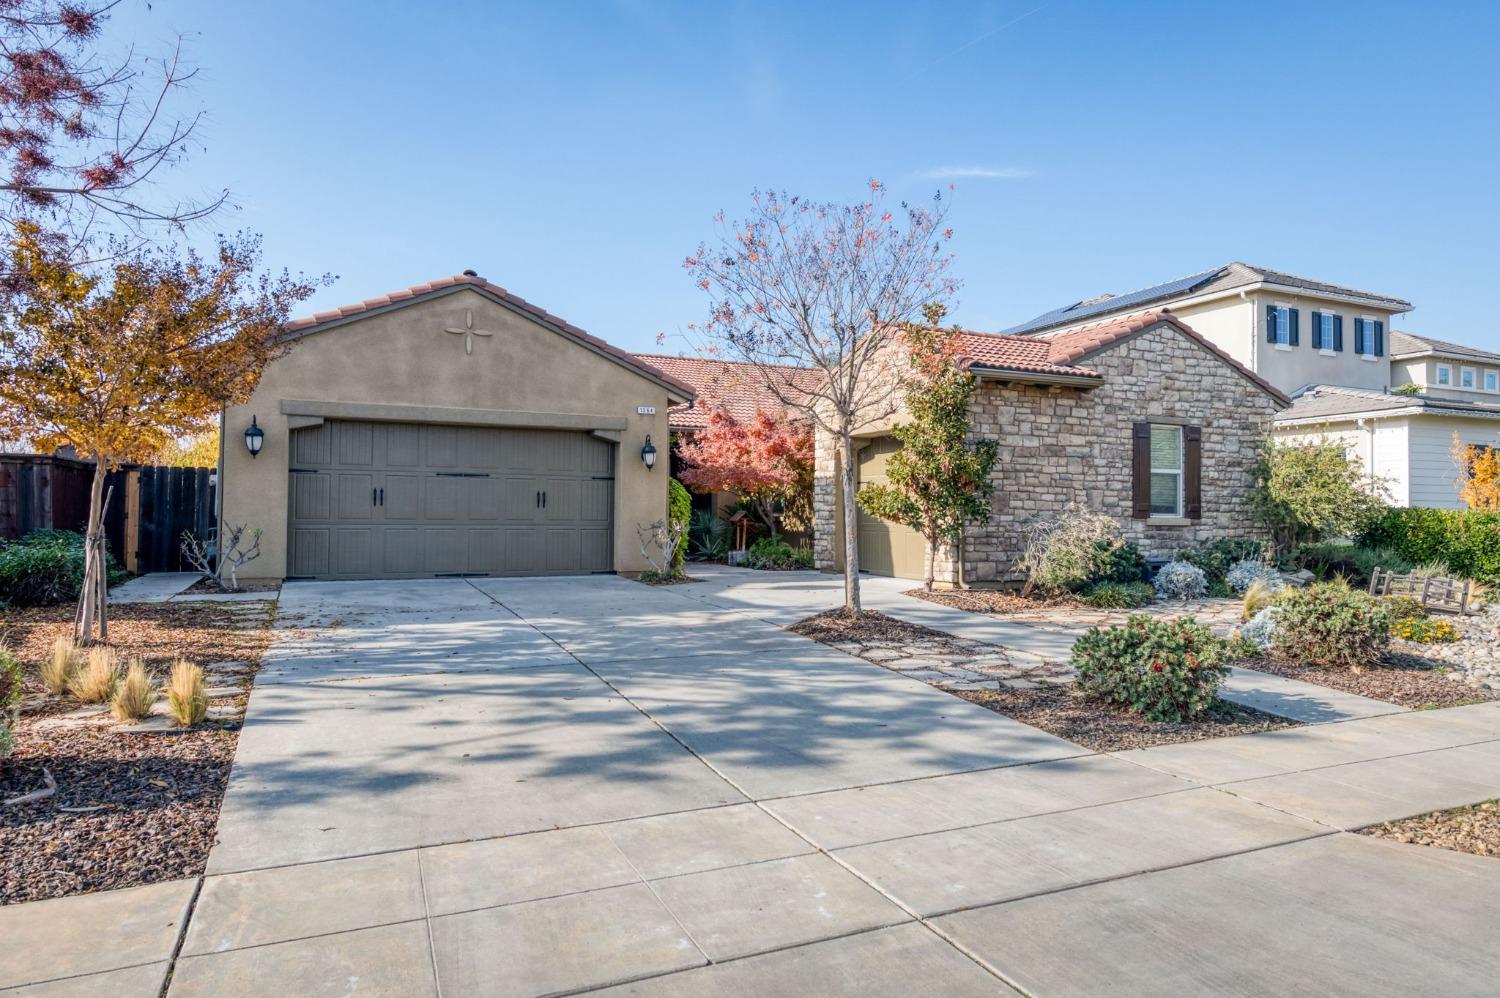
pixel 1478 473
pixel 121 359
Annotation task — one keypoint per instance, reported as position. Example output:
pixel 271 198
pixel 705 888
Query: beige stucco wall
pixel 523 374
pixel 1424 371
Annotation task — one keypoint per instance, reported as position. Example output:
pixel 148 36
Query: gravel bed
pixel 1103 727
pixel 1473 829
pixel 1406 680
pixel 130 808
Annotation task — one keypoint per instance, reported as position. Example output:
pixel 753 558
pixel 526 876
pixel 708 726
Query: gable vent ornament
pixel 467 331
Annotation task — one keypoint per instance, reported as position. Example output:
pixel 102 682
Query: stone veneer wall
pixel 1060 444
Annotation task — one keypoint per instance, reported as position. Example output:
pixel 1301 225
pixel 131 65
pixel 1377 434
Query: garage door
pixel 403 500
pixel 886 548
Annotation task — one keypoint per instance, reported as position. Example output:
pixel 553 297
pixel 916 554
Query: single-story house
pixel 1138 416
pixel 449 429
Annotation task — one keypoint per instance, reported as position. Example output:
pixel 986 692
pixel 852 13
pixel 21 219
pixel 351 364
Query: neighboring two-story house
pixel 1333 350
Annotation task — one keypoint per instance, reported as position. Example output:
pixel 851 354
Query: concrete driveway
pixel 496 787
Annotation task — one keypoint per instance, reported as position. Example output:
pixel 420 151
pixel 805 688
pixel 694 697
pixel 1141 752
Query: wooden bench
pixel 1434 592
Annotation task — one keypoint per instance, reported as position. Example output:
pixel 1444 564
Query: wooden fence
pixel 150 509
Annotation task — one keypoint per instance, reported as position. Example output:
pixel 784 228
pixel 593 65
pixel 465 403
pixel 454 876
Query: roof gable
pixel 472 282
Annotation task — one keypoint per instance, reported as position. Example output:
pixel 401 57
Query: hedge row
pixel 1468 540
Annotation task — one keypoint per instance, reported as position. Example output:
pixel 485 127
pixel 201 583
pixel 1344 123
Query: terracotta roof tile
pixel 301 327
pixel 738 387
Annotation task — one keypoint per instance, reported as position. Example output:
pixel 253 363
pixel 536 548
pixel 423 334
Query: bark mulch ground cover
pixel 210 586
pixel 995 600
pixel 1405 680
pixel 1473 829
pixel 129 809
pixel 1103 727
pixel 836 626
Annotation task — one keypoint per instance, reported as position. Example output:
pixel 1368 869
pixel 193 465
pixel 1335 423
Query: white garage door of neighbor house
pixel 409 500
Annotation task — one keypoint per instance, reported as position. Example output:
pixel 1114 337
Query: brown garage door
pixel 886 548
pixel 405 500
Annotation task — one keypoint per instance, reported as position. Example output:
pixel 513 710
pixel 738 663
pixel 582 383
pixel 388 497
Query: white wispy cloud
pixel 977 172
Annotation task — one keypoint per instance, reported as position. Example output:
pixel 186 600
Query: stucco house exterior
pixel 1140 417
pixel 449 429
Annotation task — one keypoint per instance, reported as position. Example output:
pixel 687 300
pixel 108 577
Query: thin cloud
pixel 977 172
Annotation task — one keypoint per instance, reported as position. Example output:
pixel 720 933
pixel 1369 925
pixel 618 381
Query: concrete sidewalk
pixel 542 786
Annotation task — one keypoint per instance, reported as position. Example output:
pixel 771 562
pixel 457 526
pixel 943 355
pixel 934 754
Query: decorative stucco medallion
pixel 467 331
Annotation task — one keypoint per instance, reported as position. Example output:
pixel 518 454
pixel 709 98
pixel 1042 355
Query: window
pixel 1166 470
pixel 1444 375
pixel 1280 325
pixel 1369 337
pixel 1492 381
pixel 1328 331
pixel 1468 378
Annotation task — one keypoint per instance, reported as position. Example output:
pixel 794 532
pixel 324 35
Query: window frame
pixel 1472 373
pixel 1180 509
pixel 1283 328
pixel 1437 374
pixel 1491 380
pixel 1325 345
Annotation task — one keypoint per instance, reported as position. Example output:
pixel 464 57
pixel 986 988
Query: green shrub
pixel 1399 608
pixel 1120 595
pixel 1072 550
pixel 45 567
pixel 1215 557
pixel 1219 589
pixel 1328 623
pixel 1466 540
pixel 679 512
pixel 1166 670
pixel 1355 562
pixel 10 700
pixel 775 553
pixel 709 534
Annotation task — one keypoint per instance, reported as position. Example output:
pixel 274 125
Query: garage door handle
pixel 382 497
pixel 544 500
pixel 538 500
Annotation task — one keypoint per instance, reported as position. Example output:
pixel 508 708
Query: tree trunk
pixel 91 611
pixel 851 524
pixel 932 543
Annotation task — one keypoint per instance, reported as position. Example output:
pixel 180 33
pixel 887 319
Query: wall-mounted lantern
pixel 254 437
pixel 648 453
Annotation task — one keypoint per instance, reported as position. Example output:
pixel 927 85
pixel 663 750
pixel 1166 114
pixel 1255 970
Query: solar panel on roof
pixel 1081 311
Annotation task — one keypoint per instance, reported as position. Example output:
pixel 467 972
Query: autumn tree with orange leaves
pixel 1478 474
pixel 120 361
pixel 766 460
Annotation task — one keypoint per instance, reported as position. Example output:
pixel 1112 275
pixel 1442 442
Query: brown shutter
pixel 1192 471
pixel 1140 506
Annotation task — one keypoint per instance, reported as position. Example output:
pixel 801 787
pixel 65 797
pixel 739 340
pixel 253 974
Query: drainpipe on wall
pixel 1254 334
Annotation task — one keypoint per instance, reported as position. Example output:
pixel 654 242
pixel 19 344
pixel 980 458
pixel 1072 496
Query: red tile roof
pixel 301 327
pixel 1061 352
pixel 738 387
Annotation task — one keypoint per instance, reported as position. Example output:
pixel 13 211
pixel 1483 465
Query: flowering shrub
pixel 1260 630
pixel 1399 608
pixel 1166 670
pixel 1180 580
pixel 1328 623
pixel 1243 574
pixel 1424 630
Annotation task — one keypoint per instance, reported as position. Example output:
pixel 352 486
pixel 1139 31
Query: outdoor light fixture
pixel 255 436
pixel 648 453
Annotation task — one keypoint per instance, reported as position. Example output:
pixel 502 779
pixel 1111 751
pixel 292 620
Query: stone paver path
pixel 524 787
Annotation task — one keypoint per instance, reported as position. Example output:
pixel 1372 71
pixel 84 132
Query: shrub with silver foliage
pixel 1261 629
pixel 1244 574
pixel 1180 580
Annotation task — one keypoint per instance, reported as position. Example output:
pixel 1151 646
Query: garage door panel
pixel 312 497
pixel 309 551
pixel 403 551
pixel 353 551
pixel 403 446
pixel 403 496
pixel 356 496
pixel 374 499
pixel 486 498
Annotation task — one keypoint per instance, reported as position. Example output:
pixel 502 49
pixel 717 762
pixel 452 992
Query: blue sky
pixel 575 152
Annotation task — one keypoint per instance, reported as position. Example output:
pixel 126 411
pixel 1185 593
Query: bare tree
pixel 82 137
pixel 826 286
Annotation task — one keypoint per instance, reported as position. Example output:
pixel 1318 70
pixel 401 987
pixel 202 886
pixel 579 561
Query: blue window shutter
pixel 1379 350
pixel 1270 323
pixel 1315 323
pixel 1359 336
pixel 1338 333
pixel 1292 336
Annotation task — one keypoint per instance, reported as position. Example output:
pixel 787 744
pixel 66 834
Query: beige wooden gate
pixel 886 548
